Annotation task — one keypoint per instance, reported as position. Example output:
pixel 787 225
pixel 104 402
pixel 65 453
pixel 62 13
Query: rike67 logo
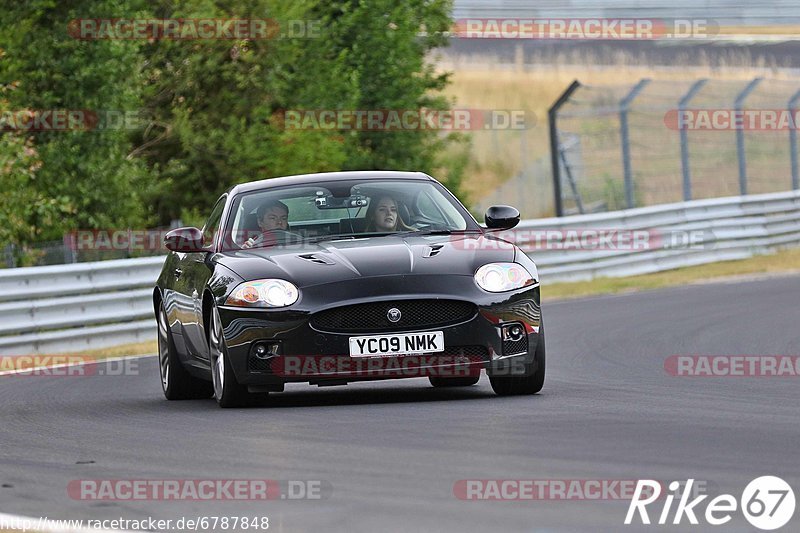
pixel 767 502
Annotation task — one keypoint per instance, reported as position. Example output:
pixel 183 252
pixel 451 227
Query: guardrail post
pixel 555 160
pixel 739 108
pixel 624 107
pixel 793 141
pixel 682 105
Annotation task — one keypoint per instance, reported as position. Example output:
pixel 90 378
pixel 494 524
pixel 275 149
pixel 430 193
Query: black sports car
pixel 339 277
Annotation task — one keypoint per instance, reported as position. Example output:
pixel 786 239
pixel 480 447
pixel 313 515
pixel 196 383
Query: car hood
pixel 340 260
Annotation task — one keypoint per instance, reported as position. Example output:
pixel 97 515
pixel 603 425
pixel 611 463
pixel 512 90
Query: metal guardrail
pixel 65 308
pixel 728 228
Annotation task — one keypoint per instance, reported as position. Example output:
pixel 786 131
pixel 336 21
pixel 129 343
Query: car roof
pixel 304 179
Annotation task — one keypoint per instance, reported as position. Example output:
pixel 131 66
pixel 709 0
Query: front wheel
pixel 227 391
pixel 531 382
pixel 176 382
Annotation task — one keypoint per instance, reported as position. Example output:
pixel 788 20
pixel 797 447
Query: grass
pixel 785 261
pixel 781 29
pixel 122 350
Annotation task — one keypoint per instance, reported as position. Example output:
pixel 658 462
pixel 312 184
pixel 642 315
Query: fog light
pixel 265 350
pixel 513 332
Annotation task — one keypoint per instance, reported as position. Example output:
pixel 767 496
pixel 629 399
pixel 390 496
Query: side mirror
pixel 184 240
pixel 501 217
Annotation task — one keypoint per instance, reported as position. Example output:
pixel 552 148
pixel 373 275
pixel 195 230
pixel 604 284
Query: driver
pixel 272 215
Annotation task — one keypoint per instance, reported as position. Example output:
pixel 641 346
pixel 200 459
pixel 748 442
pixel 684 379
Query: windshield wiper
pixel 320 238
pixel 433 232
pixel 353 236
pixel 441 231
pixel 348 236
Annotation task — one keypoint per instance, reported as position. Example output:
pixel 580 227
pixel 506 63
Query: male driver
pixel 272 215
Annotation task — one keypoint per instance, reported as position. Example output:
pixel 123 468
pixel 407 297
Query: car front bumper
pixel 297 352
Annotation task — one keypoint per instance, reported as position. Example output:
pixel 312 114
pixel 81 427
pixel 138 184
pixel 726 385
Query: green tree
pixel 217 105
pixel 383 46
pixel 211 109
pixel 86 179
pixel 220 103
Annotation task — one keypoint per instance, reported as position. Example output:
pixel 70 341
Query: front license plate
pixel 398 344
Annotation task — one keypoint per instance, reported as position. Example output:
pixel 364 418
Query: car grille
pixel 254 364
pixel 372 317
pixel 515 347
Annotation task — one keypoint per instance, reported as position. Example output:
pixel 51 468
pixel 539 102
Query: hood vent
pixel 433 250
pixel 316 259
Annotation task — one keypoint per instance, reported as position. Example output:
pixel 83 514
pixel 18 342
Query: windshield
pixel 343 209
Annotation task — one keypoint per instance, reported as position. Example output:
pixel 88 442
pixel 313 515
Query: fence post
pixel 793 141
pixel 739 108
pixel 555 159
pixel 9 256
pixel 682 105
pixel 70 248
pixel 571 180
pixel 624 107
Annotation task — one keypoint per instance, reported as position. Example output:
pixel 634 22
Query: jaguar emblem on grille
pixel 394 314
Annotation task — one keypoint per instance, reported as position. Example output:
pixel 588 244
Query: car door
pixel 197 269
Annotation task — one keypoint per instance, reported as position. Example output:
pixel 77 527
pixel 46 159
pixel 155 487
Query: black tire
pixel 531 383
pixel 439 382
pixel 227 391
pixel 176 382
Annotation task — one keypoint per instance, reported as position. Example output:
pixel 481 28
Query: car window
pixel 427 208
pixel 346 209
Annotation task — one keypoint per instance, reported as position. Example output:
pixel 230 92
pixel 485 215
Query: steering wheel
pixel 280 236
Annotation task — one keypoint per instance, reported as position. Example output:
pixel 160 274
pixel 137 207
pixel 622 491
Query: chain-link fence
pixel 657 142
pixel 87 245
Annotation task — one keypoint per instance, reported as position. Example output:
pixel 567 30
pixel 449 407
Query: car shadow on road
pixel 343 396
pixel 381 393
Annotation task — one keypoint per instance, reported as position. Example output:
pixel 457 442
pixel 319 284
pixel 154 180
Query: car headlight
pixel 263 293
pixel 501 277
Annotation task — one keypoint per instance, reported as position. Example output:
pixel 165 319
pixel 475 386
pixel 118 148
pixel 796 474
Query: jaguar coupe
pixel 333 278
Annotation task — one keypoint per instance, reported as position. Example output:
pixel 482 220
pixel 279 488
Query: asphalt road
pixel 391 452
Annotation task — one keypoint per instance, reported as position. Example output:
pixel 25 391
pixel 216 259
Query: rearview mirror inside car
pixel 332 202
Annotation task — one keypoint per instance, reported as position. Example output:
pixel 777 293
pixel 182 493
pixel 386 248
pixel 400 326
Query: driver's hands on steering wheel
pixel 278 234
